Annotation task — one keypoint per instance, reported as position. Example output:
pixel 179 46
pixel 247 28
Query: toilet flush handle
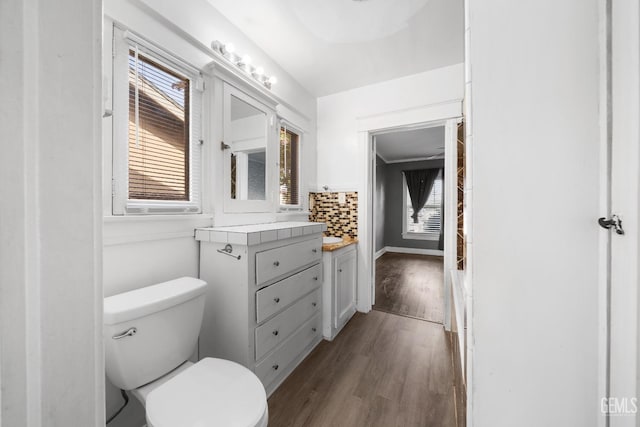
pixel 128 333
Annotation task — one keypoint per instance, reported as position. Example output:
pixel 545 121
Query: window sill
pixel 420 236
pixel 156 218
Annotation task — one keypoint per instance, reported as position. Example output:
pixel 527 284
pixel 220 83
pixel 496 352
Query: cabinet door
pixel 345 279
pixel 248 145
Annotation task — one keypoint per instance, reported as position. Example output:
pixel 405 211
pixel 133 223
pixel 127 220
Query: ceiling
pixel 417 144
pixel 330 46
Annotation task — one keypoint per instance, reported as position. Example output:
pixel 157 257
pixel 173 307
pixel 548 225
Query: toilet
pixel 149 334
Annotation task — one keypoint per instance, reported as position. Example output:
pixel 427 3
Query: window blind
pixel 289 170
pixel 158 131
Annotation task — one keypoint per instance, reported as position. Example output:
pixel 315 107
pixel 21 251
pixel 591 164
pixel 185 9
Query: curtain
pixel 419 183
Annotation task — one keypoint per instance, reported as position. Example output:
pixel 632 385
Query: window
pixel 156 136
pixel 430 216
pixel 289 167
pixel 158 131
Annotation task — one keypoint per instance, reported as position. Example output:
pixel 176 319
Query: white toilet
pixel 150 333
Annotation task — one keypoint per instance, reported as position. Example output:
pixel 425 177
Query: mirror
pixel 248 146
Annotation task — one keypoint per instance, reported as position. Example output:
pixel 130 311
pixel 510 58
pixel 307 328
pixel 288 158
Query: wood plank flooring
pixel 381 370
pixel 410 285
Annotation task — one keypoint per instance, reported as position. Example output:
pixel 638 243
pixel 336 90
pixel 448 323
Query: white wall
pixel 338 115
pixel 534 133
pixel 51 361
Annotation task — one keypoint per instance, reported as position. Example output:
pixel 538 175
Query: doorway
pixel 409 221
pixel 447 115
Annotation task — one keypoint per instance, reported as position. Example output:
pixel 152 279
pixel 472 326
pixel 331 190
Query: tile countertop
pixel 346 241
pixel 255 234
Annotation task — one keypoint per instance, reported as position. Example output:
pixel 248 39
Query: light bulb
pixel 246 60
pixel 273 80
pixel 229 47
pixel 259 71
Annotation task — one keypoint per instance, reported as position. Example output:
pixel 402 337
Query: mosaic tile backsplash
pixel 341 218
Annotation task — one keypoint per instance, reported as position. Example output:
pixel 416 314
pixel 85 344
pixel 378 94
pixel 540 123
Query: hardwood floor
pixel 410 285
pixel 381 370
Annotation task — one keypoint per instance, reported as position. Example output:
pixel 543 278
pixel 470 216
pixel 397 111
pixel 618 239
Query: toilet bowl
pixel 212 392
pixel 150 333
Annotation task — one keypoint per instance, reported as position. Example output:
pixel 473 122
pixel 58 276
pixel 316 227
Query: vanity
pixel 339 287
pixel 264 299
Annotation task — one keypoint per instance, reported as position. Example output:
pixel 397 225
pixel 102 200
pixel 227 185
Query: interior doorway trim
pixel 424 116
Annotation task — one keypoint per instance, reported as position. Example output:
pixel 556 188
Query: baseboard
pixel 394 249
pixel 380 253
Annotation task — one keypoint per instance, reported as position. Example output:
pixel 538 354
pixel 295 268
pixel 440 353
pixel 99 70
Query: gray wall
pixel 379 213
pixel 393 186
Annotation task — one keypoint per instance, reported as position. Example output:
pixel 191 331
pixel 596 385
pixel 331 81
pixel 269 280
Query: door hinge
pixel 113 187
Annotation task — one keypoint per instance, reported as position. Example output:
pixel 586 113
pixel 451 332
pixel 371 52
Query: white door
pixel 345 276
pixel 624 357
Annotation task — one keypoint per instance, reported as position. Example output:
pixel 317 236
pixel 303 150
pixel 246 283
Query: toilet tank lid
pixel 151 299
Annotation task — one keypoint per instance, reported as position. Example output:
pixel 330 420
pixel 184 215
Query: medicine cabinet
pixel 248 137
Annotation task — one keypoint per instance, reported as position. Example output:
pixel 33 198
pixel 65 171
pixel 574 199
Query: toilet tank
pixel 150 331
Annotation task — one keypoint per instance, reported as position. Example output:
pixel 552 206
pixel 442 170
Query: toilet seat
pixel 212 392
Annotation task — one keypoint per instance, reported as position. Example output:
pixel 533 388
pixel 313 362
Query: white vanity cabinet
pixel 339 289
pixel 264 299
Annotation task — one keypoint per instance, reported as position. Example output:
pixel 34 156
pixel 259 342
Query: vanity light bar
pixel 243 63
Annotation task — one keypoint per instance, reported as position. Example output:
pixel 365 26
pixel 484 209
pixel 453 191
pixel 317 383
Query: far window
pixel 430 216
pixel 289 167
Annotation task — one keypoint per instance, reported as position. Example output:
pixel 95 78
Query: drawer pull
pixel 275 367
pixel 315 278
pixel 276 299
pixel 275 332
pixel 313 329
pixel 339 270
pixel 314 250
pixel 276 263
pixel 314 304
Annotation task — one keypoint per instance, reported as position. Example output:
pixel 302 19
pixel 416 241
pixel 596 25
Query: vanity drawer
pixel 274 298
pixel 276 262
pixel 281 358
pixel 276 330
